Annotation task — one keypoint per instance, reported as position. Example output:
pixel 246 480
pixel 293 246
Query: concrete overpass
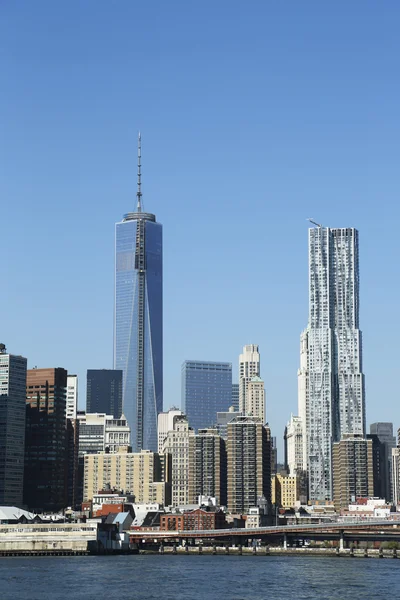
pixel 372 531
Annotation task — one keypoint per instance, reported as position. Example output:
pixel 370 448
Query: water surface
pixel 157 577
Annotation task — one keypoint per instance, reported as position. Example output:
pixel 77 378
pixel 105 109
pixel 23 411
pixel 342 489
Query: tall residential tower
pixel 331 381
pixel 138 329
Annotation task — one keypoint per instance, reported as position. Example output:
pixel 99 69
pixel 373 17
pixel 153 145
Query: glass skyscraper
pixel 138 330
pixel 331 381
pixel 206 390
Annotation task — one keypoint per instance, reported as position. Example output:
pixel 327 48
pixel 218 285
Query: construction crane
pixel 314 222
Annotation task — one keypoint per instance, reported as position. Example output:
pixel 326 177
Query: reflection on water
pixel 198 578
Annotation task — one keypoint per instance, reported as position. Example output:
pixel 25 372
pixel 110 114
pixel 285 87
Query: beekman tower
pixel 331 381
pixel 138 327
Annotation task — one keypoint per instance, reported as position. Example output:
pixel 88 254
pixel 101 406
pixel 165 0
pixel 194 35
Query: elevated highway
pixel 372 531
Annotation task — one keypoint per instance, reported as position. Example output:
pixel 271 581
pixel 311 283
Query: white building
pixel 331 381
pixel 72 396
pixel 255 398
pixel 165 424
pixel 249 367
pixel 294 445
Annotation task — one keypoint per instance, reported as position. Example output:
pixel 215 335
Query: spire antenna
pixel 139 175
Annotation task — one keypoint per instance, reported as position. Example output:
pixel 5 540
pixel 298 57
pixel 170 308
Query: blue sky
pixel 254 116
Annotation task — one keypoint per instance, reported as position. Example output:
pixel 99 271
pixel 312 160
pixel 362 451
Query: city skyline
pixel 226 179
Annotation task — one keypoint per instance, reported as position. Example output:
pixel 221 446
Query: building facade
pixel 209 468
pixel 249 367
pixel 104 392
pixel 165 424
pixel 384 431
pixel 223 418
pixel 206 389
pixel 235 397
pixel 352 470
pixel 12 427
pixel 99 432
pixel 72 396
pixel 294 445
pixel 138 473
pixel 138 329
pixel 46 442
pixel 249 463
pixel 331 380
pixel 179 444
pixel 285 490
pixel 255 402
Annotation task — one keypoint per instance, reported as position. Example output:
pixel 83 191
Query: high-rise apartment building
pixel 206 389
pixel 249 367
pixel 12 427
pixel 255 403
pixel 235 396
pixel 138 330
pixel 353 476
pixel 179 443
pixel 104 392
pixel 249 463
pixel 384 431
pixel 46 443
pixel 165 424
pixel 331 380
pixel 72 396
pixel 139 473
pixel 209 468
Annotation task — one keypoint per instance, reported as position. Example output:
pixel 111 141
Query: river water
pixel 156 577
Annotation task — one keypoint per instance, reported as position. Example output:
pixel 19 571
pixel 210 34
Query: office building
pixel 46 443
pixel 140 474
pixel 138 331
pixel 73 498
pixel 72 396
pixel 384 431
pixel 235 396
pixel 331 380
pixel 165 424
pixel 99 432
pixel 104 392
pixel 209 468
pixel 353 477
pixel 249 463
pixel 206 389
pixel 12 427
pixel 380 464
pixel 255 402
pixel 294 445
pixel 249 367
pixel 179 444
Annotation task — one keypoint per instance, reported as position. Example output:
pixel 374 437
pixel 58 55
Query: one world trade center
pixel 138 320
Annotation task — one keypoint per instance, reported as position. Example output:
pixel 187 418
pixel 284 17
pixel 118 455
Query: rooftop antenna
pixel 139 175
pixel 314 222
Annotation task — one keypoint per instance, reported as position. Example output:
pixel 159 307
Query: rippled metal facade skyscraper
pixel 138 327
pixel 331 381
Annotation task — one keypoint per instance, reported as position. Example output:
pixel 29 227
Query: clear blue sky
pixel 254 116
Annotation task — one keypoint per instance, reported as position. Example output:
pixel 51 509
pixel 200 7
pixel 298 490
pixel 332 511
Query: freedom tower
pixel 138 320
